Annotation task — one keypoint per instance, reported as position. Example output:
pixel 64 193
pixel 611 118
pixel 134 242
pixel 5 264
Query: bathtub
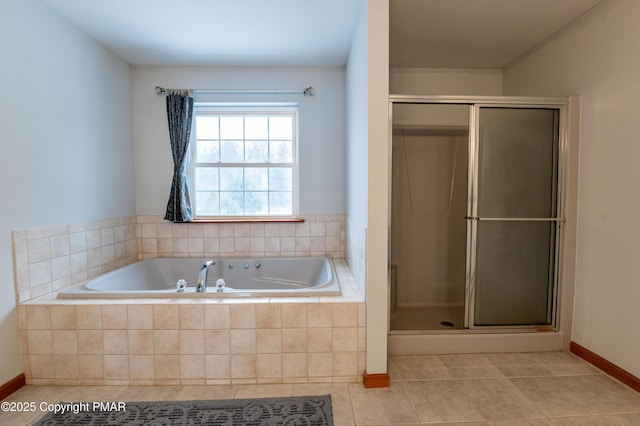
pixel 243 277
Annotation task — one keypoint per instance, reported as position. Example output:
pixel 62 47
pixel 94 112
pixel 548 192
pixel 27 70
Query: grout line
pixel 353 411
pixel 415 411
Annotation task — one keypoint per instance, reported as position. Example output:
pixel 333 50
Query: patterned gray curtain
pixel 179 114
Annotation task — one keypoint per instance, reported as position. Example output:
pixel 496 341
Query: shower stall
pixel 476 214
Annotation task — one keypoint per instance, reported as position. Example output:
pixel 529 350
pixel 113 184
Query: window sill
pixel 250 220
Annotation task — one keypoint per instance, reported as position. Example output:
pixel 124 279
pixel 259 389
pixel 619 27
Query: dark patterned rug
pixel 299 410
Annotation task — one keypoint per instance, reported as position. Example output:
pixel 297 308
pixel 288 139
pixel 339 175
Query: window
pixel 244 162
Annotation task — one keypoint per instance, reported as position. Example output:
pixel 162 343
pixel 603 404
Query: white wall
pixel 442 81
pixel 356 150
pixel 378 182
pixel 357 100
pixel 321 127
pixel 65 127
pixel 597 59
pixel 367 165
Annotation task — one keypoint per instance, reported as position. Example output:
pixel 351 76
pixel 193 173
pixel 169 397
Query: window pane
pixel 207 152
pixel 206 127
pixel 256 128
pixel 281 151
pixel 256 179
pixel 231 127
pixel 281 203
pixel 232 151
pixel 256 203
pixel 231 179
pixel 243 162
pixel 256 151
pixel 280 179
pixel 206 179
pixel 231 203
pixel 208 203
pixel 280 127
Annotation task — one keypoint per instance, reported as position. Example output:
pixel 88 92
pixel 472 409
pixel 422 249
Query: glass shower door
pixel 428 203
pixel 513 217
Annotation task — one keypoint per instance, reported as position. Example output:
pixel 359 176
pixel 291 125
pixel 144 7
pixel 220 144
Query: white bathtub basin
pixel 244 277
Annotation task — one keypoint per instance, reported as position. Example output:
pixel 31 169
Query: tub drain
pixel 447 324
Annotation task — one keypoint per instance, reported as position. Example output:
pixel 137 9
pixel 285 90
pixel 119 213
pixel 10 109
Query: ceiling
pixel 218 32
pixel 423 33
pixel 474 33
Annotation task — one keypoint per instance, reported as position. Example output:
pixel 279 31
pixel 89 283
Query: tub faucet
pixel 201 286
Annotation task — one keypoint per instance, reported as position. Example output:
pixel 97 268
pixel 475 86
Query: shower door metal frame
pixel 475 103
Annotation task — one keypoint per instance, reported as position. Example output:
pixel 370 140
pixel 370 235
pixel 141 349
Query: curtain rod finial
pixel 309 91
pixel 160 90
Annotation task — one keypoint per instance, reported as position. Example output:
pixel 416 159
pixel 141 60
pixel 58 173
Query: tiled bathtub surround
pixel 356 241
pixel 49 259
pixel 161 341
pixel 318 235
pixel 189 342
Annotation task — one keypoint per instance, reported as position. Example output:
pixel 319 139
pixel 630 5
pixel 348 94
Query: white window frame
pixel 219 109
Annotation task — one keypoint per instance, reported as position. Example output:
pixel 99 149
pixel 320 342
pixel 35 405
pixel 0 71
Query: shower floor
pixel 428 318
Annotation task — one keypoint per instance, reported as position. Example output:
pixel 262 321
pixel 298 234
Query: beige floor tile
pixel 263 391
pixel 20 418
pixel 518 364
pixel 554 397
pixel 605 394
pixel 476 372
pixel 381 405
pixel 416 361
pixel 417 367
pixel 149 393
pixel 94 393
pixel 189 393
pixel 464 360
pixel 40 393
pixel 564 363
pixel 394 424
pixel 424 388
pixel 470 366
pixel 460 424
pixel 585 421
pixel 441 401
pixel 499 399
pixel 630 419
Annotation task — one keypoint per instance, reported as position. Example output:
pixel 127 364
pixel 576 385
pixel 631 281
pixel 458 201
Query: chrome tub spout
pixel 201 286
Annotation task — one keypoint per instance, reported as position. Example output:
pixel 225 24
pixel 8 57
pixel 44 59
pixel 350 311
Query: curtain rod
pixel 307 91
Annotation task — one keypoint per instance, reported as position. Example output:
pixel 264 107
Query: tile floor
pixel 548 388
